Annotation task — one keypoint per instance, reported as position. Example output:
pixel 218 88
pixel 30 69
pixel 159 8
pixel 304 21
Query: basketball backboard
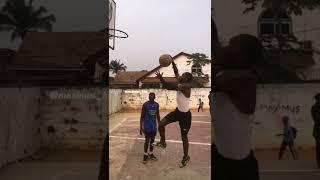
pixel 111 22
pixel 112 25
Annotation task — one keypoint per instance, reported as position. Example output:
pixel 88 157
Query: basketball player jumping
pixel 181 114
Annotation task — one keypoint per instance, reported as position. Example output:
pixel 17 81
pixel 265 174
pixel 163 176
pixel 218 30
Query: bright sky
pixel 158 27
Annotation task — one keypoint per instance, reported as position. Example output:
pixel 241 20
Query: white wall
pixel 275 101
pixel 182 66
pixel 86 106
pixel 19 111
pixel 134 98
pixel 115 99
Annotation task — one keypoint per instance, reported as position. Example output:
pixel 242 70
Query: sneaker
pixel 160 144
pixel 152 157
pixel 145 159
pixel 185 161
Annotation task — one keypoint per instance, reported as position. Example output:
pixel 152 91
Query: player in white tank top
pixel 233 106
pixel 182 113
pixel 182 102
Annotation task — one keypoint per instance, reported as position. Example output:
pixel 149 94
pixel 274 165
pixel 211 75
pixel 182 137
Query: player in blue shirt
pixel 148 125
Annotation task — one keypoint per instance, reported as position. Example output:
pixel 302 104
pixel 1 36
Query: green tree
pixel 19 17
pixel 115 66
pixel 280 8
pixel 277 44
pixel 199 60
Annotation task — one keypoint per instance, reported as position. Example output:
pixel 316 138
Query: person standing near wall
pixel 315 112
pixel 200 105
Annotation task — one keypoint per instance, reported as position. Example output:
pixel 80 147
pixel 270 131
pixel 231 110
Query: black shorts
pixel 184 119
pixel 224 168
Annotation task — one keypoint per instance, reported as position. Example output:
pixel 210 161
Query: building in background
pixel 230 21
pixel 59 58
pixel 148 79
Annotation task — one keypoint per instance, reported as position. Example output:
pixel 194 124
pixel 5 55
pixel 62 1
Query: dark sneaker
pixel 152 157
pixel 160 144
pixel 145 159
pixel 184 161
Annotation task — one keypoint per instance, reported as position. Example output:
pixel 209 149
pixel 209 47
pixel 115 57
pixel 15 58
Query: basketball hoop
pixel 113 35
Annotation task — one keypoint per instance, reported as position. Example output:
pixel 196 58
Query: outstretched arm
pixel 169 86
pixel 175 70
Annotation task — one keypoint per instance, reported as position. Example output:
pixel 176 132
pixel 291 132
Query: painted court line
pixel 172 141
pixel 204 122
pixel 290 171
pixel 115 127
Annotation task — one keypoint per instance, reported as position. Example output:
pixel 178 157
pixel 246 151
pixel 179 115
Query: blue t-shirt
pixel 150 118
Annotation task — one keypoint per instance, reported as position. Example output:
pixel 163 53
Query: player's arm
pixel 175 70
pixel 158 115
pixel 143 110
pixel 169 86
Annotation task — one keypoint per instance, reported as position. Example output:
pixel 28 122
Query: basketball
pixel 165 60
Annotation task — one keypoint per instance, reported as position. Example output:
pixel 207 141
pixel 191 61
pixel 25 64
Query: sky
pixel 157 27
pixel 71 15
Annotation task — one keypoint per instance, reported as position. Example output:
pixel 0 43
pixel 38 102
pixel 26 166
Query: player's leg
pixel 282 149
pixel 292 150
pixel 151 155
pixel 185 124
pixel 169 118
pixel 146 145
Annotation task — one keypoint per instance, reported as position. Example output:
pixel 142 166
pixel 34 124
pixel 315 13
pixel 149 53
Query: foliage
pixel 115 66
pixel 20 17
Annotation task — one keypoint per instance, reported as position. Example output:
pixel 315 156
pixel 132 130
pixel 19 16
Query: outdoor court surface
pixel 126 151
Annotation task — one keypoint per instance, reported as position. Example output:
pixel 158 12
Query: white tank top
pixel 182 102
pixel 232 128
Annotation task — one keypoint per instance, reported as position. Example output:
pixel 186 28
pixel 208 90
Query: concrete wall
pixel 134 99
pixel 74 118
pixel 115 100
pixel 19 124
pixel 182 66
pixel 275 101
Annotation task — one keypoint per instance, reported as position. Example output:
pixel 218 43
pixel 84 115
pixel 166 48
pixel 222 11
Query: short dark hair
pixel 249 45
pixel 152 93
pixel 189 76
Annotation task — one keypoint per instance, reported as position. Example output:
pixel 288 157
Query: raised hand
pixel 158 74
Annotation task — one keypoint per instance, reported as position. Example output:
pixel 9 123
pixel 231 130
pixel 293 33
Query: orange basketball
pixel 165 60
